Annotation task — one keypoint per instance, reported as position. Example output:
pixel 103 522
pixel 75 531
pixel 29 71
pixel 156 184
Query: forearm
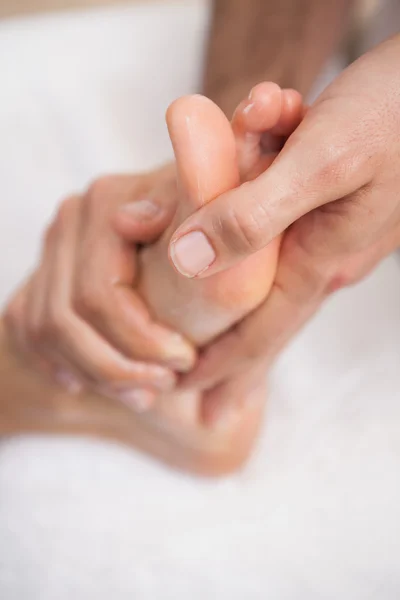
pixel 286 41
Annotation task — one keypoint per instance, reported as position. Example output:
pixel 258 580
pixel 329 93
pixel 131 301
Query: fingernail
pixel 139 400
pixel 68 381
pixel 192 254
pixel 144 209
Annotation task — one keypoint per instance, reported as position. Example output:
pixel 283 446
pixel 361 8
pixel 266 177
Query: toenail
pixel 192 254
pixel 248 108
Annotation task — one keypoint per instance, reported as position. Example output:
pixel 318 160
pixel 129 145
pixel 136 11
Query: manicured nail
pixel 68 381
pixel 144 209
pixel 140 400
pixel 192 254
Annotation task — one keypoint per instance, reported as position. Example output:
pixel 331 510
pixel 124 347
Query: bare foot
pixel 212 157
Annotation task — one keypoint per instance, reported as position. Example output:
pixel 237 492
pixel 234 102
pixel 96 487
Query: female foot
pixel 215 160
pixel 213 156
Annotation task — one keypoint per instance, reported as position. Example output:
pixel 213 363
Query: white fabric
pixel 315 514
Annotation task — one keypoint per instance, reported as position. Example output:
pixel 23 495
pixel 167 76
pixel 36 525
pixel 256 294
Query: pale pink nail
pixel 192 254
pixel 144 209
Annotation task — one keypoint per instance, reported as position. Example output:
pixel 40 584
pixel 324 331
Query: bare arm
pixel 285 41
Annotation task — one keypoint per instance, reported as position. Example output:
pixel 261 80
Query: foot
pixel 212 157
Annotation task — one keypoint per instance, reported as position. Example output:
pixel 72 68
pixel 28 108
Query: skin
pixel 101 289
pixel 82 327
pixel 63 316
pixel 334 188
pixel 205 150
pixel 91 307
pixel 259 131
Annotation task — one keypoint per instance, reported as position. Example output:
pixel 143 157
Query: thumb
pixel 317 165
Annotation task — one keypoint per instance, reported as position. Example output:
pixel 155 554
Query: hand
pixel 79 313
pixel 335 190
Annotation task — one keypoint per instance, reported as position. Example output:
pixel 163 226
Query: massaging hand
pixel 335 188
pixel 64 316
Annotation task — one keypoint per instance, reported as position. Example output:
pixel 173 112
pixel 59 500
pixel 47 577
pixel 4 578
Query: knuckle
pixel 341 163
pixel 244 232
pixel 340 280
pixel 331 164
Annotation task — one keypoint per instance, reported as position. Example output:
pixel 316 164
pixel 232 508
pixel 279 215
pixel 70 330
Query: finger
pixel 74 339
pixel 145 218
pixel 320 163
pixel 35 320
pixel 14 318
pixel 103 292
pixel 33 315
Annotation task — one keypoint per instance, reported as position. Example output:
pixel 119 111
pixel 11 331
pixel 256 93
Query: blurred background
pixel 15 7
